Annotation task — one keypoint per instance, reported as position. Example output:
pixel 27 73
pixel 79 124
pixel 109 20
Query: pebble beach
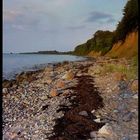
pixel 71 101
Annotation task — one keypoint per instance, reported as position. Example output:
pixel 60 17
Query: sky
pixel 41 25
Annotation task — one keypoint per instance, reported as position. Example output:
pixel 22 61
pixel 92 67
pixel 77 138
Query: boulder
pixel 53 93
pixel 60 84
pixel 83 113
pixel 6 84
pixel 135 96
pixel 48 81
pixel 68 76
pixel 134 86
pixel 97 120
pixel 4 90
pixel 95 70
pixel 93 134
pixel 105 130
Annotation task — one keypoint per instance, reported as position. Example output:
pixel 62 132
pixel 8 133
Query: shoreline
pixel 38 67
pixel 11 75
pixel 63 102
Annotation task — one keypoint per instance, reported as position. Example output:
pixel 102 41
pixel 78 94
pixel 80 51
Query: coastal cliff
pixel 122 42
pixel 128 48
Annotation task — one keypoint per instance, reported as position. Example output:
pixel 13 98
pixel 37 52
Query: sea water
pixel 16 63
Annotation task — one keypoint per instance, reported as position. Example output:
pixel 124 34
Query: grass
pixel 131 72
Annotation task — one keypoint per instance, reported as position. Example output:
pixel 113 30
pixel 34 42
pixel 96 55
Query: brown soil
pixel 74 126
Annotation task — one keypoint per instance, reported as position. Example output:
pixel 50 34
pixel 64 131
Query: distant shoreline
pixel 47 52
pixel 42 52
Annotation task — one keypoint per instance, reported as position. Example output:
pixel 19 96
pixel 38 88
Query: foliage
pixel 101 41
pixel 129 22
pixel 131 72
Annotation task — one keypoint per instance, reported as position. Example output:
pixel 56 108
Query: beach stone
pixel 134 86
pixel 128 116
pixel 105 130
pixel 25 76
pixel 135 96
pixel 93 111
pixel 125 138
pixel 79 74
pixel 45 97
pixel 95 70
pixel 125 95
pixel 93 134
pixel 60 84
pixel 134 136
pixel 6 84
pixel 97 120
pixel 133 110
pixel 53 93
pixel 83 113
pixel 10 136
pixel 115 111
pixel 101 138
pixel 4 90
pixel 68 76
pixel 49 81
pixel 122 85
pixel 47 70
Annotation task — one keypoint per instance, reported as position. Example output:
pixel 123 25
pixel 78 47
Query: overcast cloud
pixel 34 25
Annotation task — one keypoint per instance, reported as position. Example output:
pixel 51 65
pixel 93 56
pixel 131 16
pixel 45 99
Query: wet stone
pixel 135 96
pixel 128 116
pixel 4 90
pixel 125 138
pixel 125 94
pixel 122 85
pixel 93 134
pixel 83 113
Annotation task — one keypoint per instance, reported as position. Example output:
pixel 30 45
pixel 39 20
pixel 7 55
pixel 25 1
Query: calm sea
pixel 16 63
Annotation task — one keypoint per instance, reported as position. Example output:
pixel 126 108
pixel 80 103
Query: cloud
pixel 76 27
pixel 21 19
pixel 19 27
pixel 59 3
pixel 97 16
pixel 111 20
pixel 11 15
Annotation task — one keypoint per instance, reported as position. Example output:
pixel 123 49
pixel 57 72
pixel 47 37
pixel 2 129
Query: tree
pixel 129 21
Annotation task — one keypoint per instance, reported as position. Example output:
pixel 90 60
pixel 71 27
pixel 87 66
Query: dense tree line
pixel 101 41
pixel 129 22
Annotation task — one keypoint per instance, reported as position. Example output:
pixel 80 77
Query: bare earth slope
pixel 128 48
